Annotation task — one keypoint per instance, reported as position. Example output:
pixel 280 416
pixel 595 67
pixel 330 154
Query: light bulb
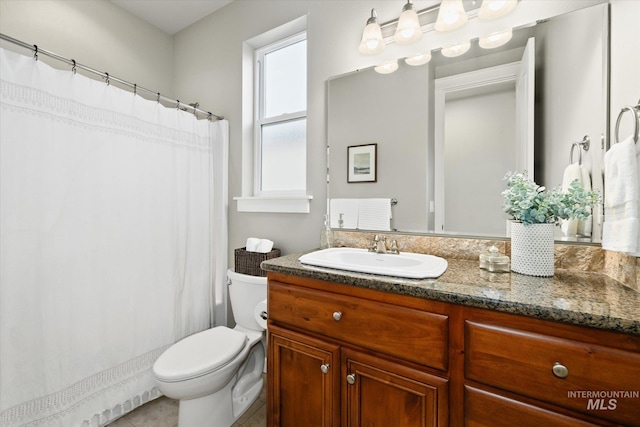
pixel 494 40
pixel 372 42
pixel 408 30
pixel 456 50
pixel 492 9
pixel 387 67
pixel 419 59
pixel 451 16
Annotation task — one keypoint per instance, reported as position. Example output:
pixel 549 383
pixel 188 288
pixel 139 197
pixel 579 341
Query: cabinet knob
pixel 324 368
pixel 559 370
pixel 351 378
pixel 337 315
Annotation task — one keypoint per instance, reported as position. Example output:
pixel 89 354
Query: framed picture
pixel 362 163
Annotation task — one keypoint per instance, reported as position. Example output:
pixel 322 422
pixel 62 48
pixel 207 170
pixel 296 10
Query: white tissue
pixel 259 245
pixel 259 311
pixel 264 246
pixel 252 244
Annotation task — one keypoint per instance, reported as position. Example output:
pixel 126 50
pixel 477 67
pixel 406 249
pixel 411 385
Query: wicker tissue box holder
pixel 249 262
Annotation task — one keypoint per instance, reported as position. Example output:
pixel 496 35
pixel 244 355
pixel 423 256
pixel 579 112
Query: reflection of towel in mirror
pixel 620 230
pixel 571 173
pixel 361 214
pixel 584 227
pixel 375 214
pixel 348 208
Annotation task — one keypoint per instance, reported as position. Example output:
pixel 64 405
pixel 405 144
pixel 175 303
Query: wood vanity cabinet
pixel 347 356
pixel 336 359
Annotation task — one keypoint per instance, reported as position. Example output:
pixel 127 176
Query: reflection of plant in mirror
pixel 530 203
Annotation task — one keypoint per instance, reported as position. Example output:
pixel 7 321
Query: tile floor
pixel 163 412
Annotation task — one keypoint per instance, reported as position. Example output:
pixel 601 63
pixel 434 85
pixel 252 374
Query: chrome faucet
pixel 379 245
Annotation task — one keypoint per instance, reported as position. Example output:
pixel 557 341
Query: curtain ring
pixel 158 98
pixel 35 52
pixel 73 69
pixel 107 78
pixel 210 117
pixel 177 104
pixel 135 89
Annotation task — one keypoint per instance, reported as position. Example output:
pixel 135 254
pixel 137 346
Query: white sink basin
pixel 404 264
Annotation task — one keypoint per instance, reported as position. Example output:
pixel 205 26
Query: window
pixel 281 117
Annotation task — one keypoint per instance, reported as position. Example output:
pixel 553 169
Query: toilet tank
pixel 245 292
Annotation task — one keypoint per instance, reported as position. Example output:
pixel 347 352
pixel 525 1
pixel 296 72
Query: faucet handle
pixel 394 247
pixel 374 243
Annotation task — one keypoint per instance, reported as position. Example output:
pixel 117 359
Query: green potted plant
pixel 535 210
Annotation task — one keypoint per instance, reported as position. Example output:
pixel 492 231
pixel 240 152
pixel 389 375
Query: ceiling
pixel 171 16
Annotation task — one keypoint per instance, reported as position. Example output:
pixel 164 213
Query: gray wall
pixel 479 148
pixel 563 44
pixel 390 110
pixel 625 62
pixel 96 33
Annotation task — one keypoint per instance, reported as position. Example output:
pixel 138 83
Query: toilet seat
pixel 199 354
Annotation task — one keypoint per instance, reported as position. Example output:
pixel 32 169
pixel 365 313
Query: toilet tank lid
pixel 199 354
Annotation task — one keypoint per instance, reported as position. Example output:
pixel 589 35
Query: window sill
pixel 282 204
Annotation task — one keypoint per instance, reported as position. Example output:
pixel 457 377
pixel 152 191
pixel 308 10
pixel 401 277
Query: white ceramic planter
pixel 532 249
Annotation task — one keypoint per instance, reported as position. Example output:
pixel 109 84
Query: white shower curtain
pixel 112 242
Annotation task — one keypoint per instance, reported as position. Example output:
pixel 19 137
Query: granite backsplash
pixel 573 257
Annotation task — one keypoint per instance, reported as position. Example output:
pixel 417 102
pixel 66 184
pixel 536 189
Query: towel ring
pixel 635 111
pixel 585 144
pixel 574 145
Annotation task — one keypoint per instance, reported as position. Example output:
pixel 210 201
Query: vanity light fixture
pixel 387 67
pixel 456 50
pixel 492 9
pixel 372 42
pixel 451 15
pixel 408 29
pixel 493 40
pixel 419 59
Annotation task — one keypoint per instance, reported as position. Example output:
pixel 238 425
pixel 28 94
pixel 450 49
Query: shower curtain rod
pixel 186 107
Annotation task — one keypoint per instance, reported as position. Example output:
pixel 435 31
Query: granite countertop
pixel 587 299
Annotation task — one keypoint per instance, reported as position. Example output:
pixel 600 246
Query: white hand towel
pixel 584 227
pixel 252 244
pixel 620 231
pixel 374 214
pixel 264 246
pixel 349 210
pixel 571 173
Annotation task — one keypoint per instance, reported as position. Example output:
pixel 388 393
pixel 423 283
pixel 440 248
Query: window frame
pixel 260 120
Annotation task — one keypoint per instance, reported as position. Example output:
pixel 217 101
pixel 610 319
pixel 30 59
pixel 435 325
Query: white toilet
pixel 217 374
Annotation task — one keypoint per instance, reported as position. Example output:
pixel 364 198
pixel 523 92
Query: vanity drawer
pixel 529 364
pixel 484 409
pixel 398 331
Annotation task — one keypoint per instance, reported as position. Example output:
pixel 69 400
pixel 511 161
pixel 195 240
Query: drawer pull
pixel 351 378
pixel 324 368
pixel 337 315
pixel 559 370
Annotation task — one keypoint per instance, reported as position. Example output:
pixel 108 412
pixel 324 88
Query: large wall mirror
pixel 449 130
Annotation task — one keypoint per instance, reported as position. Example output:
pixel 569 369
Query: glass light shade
pixel 494 40
pixel 456 50
pixel 408 30
pixel 492 9
pixel 387 67
pixel 419 59
pixel 451 16
pixel 372 42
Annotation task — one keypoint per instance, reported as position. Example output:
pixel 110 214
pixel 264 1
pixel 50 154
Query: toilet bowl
pixel 216 374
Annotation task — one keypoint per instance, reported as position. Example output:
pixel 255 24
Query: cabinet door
pixel 303 379
pixel 381 393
